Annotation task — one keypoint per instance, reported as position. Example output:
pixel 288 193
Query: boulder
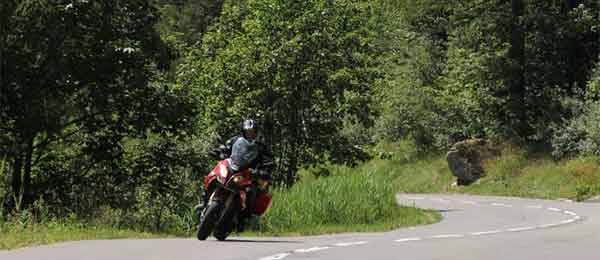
pixel 465 160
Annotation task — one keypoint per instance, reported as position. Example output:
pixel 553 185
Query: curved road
pixel 474 227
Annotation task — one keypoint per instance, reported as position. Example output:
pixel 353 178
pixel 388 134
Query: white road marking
pixel 409 239
pixel 501 205
pixel 312 249
pixel 448 236
pixel 520 229
pixel 276 257
pixel 486 232
pixel 549 225
pixel 534 207
pixel 568 221
pixel 351 243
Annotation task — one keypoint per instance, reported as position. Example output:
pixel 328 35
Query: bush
pixel 580 135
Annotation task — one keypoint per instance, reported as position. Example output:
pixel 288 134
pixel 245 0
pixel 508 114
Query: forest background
pixel 108 108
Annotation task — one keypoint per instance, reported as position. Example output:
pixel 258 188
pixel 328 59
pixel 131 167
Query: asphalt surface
pixel 473 227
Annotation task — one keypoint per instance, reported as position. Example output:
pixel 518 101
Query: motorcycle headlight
pixel 238 179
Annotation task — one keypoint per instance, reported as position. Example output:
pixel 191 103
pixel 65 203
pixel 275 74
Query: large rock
pixel 465 160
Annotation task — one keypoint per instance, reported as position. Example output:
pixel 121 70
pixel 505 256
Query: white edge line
pixel 276 257
pixel 312 249
pixel 408 239
pixel 535 207
pixel 486 232
pixel 448 236
pixel 520 229
pixel 568 221
pixel 549 225
pixel 502 205
pixel 351 243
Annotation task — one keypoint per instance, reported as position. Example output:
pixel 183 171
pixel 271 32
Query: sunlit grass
pixel 350 200
pixel 16 235
pixel 513 173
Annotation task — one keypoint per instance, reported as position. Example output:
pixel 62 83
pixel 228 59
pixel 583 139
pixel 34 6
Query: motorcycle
pixel 226 199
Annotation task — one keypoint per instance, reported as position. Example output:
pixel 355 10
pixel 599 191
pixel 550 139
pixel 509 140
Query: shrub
pixel 581 135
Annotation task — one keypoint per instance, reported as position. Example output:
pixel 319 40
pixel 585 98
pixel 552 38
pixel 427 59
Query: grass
pixel 18 235
pixel 349 200
pixel 514 173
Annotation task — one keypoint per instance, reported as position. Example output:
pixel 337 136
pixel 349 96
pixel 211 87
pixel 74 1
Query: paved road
pixel 473 228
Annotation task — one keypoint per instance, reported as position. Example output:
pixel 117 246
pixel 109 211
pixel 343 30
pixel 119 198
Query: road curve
pixel 474 227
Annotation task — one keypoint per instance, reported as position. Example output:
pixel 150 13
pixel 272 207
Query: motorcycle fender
pixel 263 203
pixel 219 173
pixel 209 180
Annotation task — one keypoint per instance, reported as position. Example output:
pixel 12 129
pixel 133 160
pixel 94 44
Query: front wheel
pixel 208 219
pixel 226 221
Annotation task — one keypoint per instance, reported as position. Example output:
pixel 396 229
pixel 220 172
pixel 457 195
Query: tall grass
pixel 513 173
pixel 360 199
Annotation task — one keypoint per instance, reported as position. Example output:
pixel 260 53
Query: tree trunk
pixel 517 96
pixel 27 194
pixel 572 52
pixel 16 182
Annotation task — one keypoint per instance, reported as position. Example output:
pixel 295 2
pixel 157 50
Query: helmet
pixel 249 128
pixel 249 124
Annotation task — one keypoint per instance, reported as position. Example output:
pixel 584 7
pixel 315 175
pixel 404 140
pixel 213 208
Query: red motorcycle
pixel 227 201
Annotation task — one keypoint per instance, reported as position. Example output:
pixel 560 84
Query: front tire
pixel 208 219
pixel 225 224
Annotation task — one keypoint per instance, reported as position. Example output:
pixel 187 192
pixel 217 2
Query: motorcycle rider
pixel 243 152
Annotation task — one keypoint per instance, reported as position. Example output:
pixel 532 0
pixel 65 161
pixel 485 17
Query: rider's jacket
pixel 243 153
pixel 246 155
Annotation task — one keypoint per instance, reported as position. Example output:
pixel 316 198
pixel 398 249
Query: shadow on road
pixel 448 210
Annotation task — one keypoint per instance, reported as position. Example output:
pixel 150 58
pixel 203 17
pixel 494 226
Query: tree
pixel 185 21
pixel 78 72
pixel 301 67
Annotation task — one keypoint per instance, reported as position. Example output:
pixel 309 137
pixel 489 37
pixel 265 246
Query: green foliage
pixel 580 135
pixel 109 106
pixel 301 68
pixel 350 199
pixel 75 83
pixel 167 187
pixel 497 69
pixel 185 21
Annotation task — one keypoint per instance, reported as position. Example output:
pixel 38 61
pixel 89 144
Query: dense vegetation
pixel 347 200
pixel 107 108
